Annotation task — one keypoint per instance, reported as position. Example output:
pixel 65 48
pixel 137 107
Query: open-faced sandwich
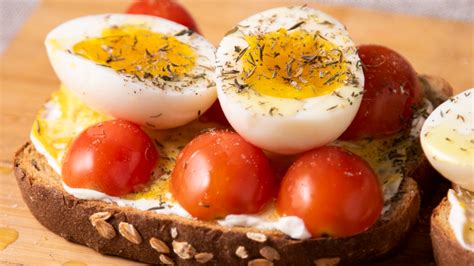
pixel 447 138
pixel 309 161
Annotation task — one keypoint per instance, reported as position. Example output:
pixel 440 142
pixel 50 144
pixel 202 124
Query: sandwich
pixel 447 139
pixel 288 145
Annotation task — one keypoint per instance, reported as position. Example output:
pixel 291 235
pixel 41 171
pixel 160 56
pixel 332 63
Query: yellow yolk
pixel 292 64
pixel 139 52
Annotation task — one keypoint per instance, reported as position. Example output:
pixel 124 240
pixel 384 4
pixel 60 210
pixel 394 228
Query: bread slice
pixel 155 238
pixel 446 248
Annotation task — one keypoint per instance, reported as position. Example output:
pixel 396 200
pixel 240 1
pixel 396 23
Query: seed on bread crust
pixel 259 237
pixel 166 260
pixel 99 216
pixel 260 262
pixel 327 261
pixel 183 249
pixel 104 229
pixel 241 252
pixel 130 233
pixel 203 257
pixel 269 253
pixel 174 232
pixel 159 245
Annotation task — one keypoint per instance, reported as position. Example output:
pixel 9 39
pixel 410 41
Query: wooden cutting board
pixel 438 47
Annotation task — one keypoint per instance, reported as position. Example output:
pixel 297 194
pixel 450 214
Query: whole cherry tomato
pixel 114 157
pixel 391 93
pixel 333 191
pixel 219 173
pixel 168 9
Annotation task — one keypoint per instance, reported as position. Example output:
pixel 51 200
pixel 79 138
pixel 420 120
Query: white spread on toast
pixel 388 157
pixel 461 224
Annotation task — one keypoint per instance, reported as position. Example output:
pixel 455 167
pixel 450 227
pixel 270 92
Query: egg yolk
pixel 139 52
pixel 294 64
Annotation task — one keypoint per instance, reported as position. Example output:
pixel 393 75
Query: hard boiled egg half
pixel 447 138
pixel 289 79
pixel 144 69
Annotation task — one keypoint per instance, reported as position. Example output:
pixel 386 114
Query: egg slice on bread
pixel 289 79
pixel 143 69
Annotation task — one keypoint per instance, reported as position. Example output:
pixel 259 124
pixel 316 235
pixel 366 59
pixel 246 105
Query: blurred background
pixel 13 13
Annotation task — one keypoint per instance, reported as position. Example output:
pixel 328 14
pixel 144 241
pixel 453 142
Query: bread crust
pixel 69 217
pixel 446 248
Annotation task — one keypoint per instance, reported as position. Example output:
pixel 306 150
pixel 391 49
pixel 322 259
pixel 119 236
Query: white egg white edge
pixel 252 115
pixel 170 105
pixel 449 111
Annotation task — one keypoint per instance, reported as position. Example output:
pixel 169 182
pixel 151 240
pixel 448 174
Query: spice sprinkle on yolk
pixel 139 52
pixel 292 64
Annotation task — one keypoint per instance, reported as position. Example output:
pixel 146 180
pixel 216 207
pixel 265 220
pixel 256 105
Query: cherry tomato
pixel 335 192
pixel 114 157
pixel 391 92
pixel 215 114
pixel 168 9
pixel 219 173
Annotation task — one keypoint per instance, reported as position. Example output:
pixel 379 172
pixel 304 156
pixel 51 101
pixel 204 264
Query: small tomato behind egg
pixel 391 93
pixel 168 9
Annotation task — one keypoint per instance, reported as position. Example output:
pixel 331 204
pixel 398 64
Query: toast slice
pixel 446 248
pixel 155 238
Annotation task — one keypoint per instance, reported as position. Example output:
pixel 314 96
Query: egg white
pixel 442 138
pixel 285 125
pixel 169 105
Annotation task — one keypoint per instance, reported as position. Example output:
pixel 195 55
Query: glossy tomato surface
pixel 335 192
pixel 168 9
pixel 219 173
pixel 114 157
pixel 391 92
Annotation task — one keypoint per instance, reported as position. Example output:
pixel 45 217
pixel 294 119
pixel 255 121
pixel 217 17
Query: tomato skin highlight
pixel 335 192
pixel 168 9
pixel 115 157
pixel 391 92
pixel 219 173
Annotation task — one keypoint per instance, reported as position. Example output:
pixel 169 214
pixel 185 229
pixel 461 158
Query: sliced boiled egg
pixel 289 79
pixel 447 138
pixel 144 69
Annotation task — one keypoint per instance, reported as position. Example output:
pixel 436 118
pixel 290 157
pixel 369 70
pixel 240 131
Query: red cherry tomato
pixel 334 191
pixel 391 92
pixel 215 114
pixel 114 157
pixel 168 9
pixel 219 173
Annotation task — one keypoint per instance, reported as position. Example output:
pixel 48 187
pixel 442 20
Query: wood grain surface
pixel 436 47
